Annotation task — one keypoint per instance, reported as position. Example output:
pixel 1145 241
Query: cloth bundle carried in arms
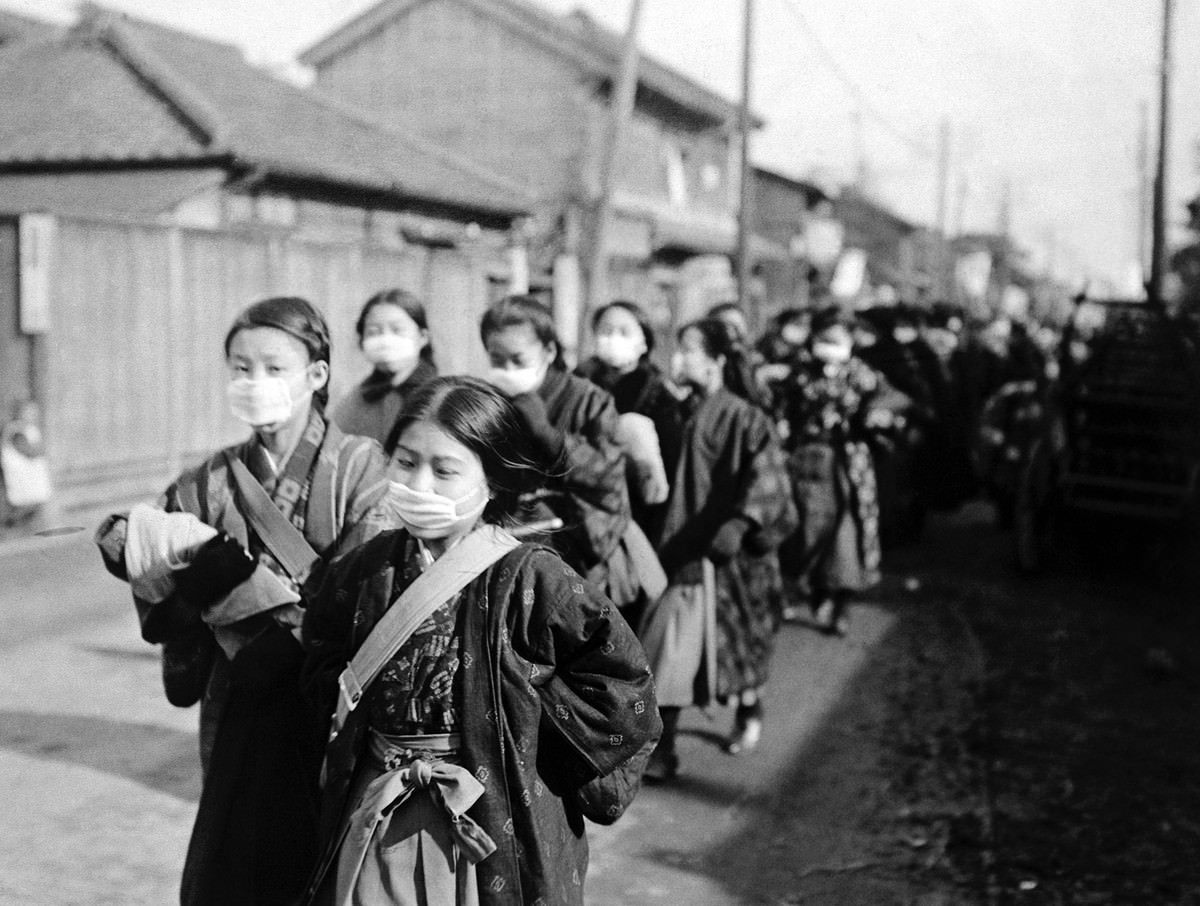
pixel 639 439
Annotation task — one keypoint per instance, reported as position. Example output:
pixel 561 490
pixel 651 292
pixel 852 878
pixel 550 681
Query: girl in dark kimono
pixel 219 592
pixel 833 407
pixel 712 634
pixel 574 424
pixel 458 779
pixel 394 337
pixel 651 419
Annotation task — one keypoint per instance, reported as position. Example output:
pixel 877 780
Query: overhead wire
pixel 865 105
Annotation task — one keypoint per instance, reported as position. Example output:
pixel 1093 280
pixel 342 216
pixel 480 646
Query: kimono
pixel 550 690
pixel 255 835
pixel 731 472
pixel 833 476
pixel 644 391
pixel 371 408
pixel 588 491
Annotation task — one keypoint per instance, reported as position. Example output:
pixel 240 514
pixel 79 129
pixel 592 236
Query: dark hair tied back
pixel 721 341
pixel 483 420
pixel 405 301
pixel 513 311
pixel 296 317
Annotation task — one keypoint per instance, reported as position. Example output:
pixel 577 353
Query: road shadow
pixel 157 758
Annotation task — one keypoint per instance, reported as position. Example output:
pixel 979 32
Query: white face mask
pixel 391 349
pixel 262 401
pixel 619 350
pixel 431 515
pixel 515 381
pixel 832 353
pixel 794 334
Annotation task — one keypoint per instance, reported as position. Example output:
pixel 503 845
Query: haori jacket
pixel 553 689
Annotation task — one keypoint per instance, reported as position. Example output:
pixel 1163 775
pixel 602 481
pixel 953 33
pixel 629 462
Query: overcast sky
pixel 1043 94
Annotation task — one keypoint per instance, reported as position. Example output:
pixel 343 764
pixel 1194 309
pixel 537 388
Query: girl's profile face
pixel 692 363
pixel 518 347
pixel 429 459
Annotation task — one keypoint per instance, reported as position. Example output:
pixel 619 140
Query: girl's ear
pixel 424 338
pixel 553 351
pixel 318 375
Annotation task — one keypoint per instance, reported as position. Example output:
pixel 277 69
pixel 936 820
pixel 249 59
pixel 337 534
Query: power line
pixel 852 86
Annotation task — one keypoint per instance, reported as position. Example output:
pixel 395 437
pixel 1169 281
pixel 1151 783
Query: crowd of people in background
pixel 525 576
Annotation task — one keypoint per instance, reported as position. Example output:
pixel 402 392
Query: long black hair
pixel 296 317
pixel 720 340
pixel 483 420
pixel 512 311
pixel 408 303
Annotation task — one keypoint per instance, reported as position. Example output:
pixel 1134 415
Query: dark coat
pixel 588 493
pixel 730 502
pixel 553 689
pixel 255 835
pixel 371 408
pixel 644 391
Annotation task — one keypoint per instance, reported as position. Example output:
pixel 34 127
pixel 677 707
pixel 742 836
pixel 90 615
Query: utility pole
pixel 621 99
pixel 943 186
pixel 943 175
pixel 1158 250
pixel 743 233
pixel 1143 199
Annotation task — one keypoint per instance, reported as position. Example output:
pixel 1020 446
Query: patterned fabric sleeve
pixel 765 496
pixel 584 662
pixel 595 477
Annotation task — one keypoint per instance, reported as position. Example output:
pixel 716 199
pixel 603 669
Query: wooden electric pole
pixel 1158 244
pixel 744 201
pixel 621 98
pixel 943 176
pixel 1143 187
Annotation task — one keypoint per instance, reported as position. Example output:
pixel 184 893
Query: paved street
pixel 102 773
pixel 903 765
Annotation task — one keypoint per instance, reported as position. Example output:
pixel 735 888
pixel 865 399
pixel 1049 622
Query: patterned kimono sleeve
pixel 362 485
pixel 595 477
pixel 585 663
pixel 765 494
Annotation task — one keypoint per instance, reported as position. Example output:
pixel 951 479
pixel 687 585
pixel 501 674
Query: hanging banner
pixel 972 272
pixel 850 275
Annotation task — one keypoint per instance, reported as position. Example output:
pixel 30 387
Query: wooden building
pixel 152 183
pixel 525 92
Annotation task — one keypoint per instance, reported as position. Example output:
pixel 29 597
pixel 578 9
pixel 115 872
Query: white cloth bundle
pixel 637 435
pixel 156 544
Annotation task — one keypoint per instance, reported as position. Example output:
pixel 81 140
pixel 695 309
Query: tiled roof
pixel 120 89
pixel 15 27
pixel 591 46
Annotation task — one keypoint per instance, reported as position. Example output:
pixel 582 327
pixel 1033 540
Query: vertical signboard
pixel 35 249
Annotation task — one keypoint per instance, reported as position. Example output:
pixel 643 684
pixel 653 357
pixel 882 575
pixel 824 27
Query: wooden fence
pixel 134 383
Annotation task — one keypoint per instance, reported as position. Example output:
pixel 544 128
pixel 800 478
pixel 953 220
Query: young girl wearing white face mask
pixel 486 699
pixel 648 407
pixel 228 622
pixel 393 335
pixel 832 407
pixel 574 423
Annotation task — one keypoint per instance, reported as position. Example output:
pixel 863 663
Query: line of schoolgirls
pixel 434 627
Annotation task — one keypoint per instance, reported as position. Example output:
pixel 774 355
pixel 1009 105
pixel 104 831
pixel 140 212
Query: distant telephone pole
pixel 744 201
pixel 1158 245
pixel 943 175
pixel 1143 194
